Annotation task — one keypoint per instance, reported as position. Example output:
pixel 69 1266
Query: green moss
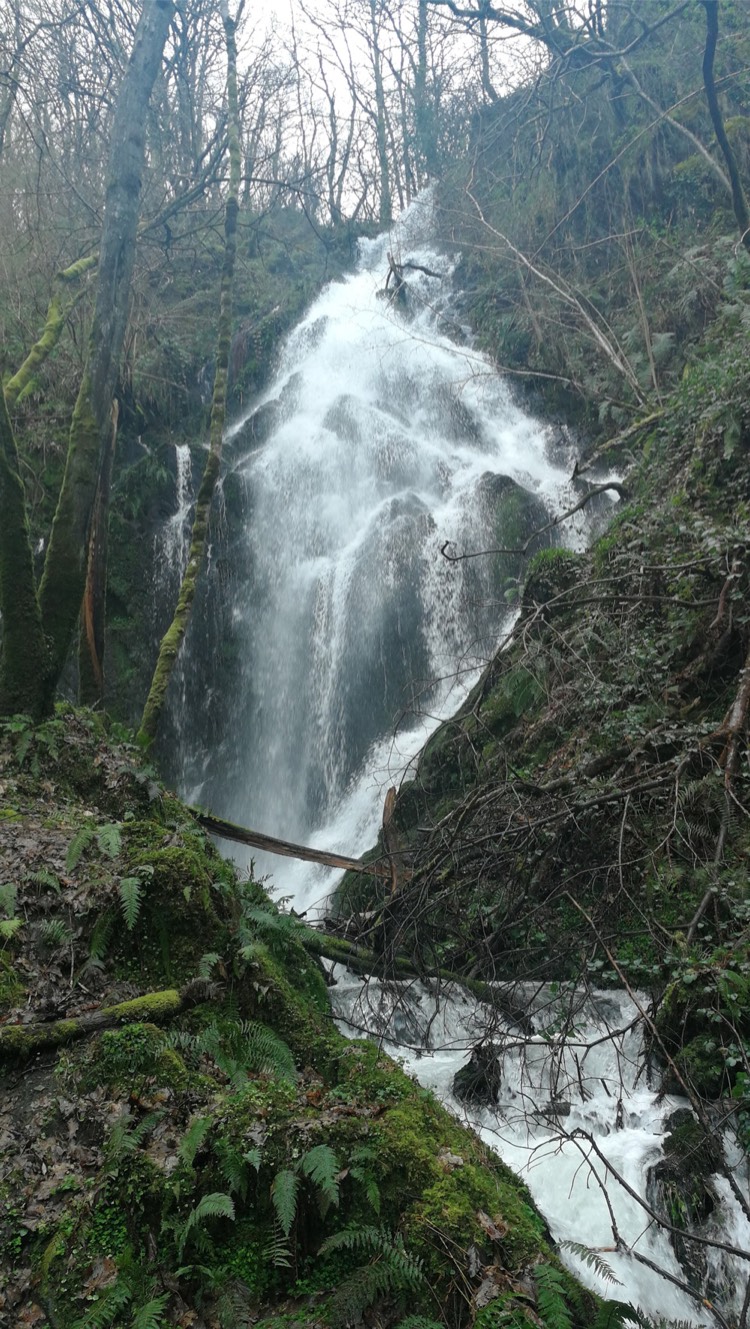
pixel 11 988
pixel 131 1057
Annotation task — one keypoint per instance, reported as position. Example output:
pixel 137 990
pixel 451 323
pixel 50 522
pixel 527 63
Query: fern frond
pixel 234 1168
pixel 321 1166
pixel 276 1250
pixel 45 878
pixel 8 896
pixel 131 893
pixel 109 1305
pixel 81 840
pixel 264 1051
pixel 55 932
pixel 125 1138
pixel 284 1189
pixel 193 1139
pixel 109 839
pixel 208 963
pixel 151 1316
pixel 593 1259
pixel 9 927
pixel 617 1314
pixel 102 934
pixel 550 1298
pixel 215 1205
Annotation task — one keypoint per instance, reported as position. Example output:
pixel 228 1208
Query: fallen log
pixel 398 968
pixel 227 830
pixel 20 1041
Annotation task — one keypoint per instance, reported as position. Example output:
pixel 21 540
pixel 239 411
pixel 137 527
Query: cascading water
pixel 380 439
pixel 338 637
pixel 573 1115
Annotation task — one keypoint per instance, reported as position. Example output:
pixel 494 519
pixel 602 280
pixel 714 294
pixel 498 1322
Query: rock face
pixel 681 1189
pixel 480 1079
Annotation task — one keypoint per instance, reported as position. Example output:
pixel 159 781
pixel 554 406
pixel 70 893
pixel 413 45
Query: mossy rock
pixel 680 1189
pixel 131 1059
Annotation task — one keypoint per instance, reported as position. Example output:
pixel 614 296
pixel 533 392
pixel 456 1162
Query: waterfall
pixel 330 639
pixel 345 634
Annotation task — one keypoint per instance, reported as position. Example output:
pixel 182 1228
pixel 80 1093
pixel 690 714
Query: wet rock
pixel 480 1079
pixel 681 1189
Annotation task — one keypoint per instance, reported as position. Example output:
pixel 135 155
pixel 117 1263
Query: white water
pixel 175 535
pixel 554 1093
pixel 352 637
pixel 381 439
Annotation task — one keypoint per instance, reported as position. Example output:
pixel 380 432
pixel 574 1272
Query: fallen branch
pixel 19 1041
pixel 227 830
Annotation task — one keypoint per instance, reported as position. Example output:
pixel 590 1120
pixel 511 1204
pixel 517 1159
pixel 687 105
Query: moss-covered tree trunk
pixel 91 641
pixel 64 576
pixel 24 658
pixel 61 304
pixel 175 634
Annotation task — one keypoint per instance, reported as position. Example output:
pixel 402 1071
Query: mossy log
pixel 21 1041
pixel 367 962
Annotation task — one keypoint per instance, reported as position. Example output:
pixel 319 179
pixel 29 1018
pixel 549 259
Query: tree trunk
pixel 386 202
pixel 24 660
pixel 65 565
pixel 739 200
pixel 91 641
pixel 174 636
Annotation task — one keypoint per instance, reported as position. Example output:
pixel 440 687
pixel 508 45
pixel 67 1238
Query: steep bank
pixel 186 1139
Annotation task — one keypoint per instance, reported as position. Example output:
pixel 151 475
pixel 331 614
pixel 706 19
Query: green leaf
pixel 81 840
pixel 321 1166
pixel 131 891
pixel 284 1196
pixel 109 839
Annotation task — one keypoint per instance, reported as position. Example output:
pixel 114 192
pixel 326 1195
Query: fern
pixel 109 839
pixel 8 897
pixel 108 1307
pixel 391 1271
pixel 617 1314
pixel 265 1051
pixel 9 927
pixel 131 892
pixel 252 1156
pixel 45 878
pixel 359 1171
pixel 126 1137
pixel 234 1168
pixel 592 1259
pixel 151 1316
pixel 208 963
pixel 276 1250
pixel 80 842
pixel 102 935
pixel 216 1205
pixel 550 1299
pixel 193 1139
pixel 284 1189
pixel 320 1165
pixel 55 933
